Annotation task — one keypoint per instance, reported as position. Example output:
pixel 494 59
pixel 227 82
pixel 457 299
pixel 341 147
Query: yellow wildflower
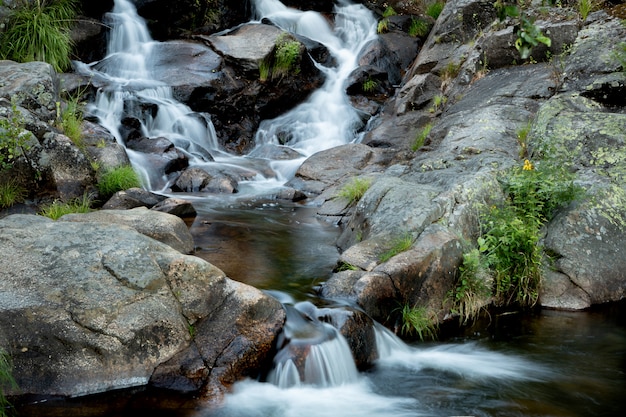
pixel 528 166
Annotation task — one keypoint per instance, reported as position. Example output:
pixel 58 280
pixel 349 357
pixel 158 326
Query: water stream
pixel 552 364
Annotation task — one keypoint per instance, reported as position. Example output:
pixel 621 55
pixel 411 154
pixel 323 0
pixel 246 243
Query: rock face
pixel 88 307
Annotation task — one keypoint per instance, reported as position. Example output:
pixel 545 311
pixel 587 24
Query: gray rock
pixel 160 226
pixel 90 307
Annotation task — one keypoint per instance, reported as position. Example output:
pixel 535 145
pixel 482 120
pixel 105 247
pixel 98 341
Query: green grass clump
pixel 399 245
pixel 6 380
pixel 421 136
pixel 435 8
pixel 369 85
pixel 70 120
pixel 415 320
pixel 11 193
pixel 471 289
pixel 118 179
pixel 355 189
pixel 285 59
pixel 40 31
pixel 418 28
pixel 57 208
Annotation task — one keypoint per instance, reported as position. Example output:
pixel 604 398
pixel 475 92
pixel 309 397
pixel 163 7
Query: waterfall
pixel 311 352
pixel 326 119
pixel 128 90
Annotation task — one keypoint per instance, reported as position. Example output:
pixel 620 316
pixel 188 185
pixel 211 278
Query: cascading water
pixel 314 373
pixel 129 90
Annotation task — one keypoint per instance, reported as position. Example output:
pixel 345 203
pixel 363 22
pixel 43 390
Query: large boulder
pixel 89 307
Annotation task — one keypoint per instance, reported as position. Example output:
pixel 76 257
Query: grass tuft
pixel 57 208
pixel 118 179
pixel 355 189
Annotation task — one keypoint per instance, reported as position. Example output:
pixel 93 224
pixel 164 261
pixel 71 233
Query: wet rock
pixel 176 206
pixel 195 179
pixel 160 153
pixel 132 198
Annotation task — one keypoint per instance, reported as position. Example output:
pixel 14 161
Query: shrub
pixel 57 208
pixel 415 320
pixel 11 193
pixel 40 31
pixel 355 189
pixel 118 179
pixel 13 141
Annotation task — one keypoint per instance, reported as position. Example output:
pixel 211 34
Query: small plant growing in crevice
pixel 118 179
pixel 522 139
pixel 284 60
pixel 416 321
pixel 418 28
pixel 13 138
pixel 398 245
pixel 354 190
pixel 11 193
pixel 369 85
pixel 57 209
pixel 471 290
pixel 344 266
pixel 434 9
pixel 528 34
pixel 383 24
pixel 421 136
pixel 438 102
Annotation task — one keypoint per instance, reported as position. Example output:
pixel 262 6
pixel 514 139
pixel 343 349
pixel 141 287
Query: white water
pixel 325 120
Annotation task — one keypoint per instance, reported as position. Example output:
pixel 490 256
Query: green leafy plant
pixel 509 245
pixel 344 266
pixel 522 139
pixel 40 31
pixel 415 320
pixel 118 179
pixel 587 6
pixel 355 189
pixel 421 136
pixel 11 193
pixel 13 139
pixel 398 245
pixel 6 380
pixel 369 85
pixel 435 8
pixel 528 34
pixel 57 208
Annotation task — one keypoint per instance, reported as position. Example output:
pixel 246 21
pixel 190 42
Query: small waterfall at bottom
pixel 311 352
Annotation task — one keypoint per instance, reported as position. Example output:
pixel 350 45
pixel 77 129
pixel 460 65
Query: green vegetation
pixel 344 266
pixel 11 193
pixel 6 380
pixel 40 31
pixel 355 189
pixel 528 34
pixel 13 141
pixel 284 60
pixel 70 120
pixel 418 28
pixel 471 290
pixel 509 246
pixel 421 137
pixel 369 85
pixel 399 245
pixel 522 139
pixel 435 8
pixel 438 102
pixel 587 6
pixel 450 71
pixel 383 24
pixel 415 320
pixel 57 208
pixel 620 55
pixel 118 179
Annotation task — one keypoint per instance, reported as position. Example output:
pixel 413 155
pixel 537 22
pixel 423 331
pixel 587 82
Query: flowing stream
pixel 551 364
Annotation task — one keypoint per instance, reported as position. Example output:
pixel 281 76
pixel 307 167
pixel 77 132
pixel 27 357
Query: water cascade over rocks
pixel 133 105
